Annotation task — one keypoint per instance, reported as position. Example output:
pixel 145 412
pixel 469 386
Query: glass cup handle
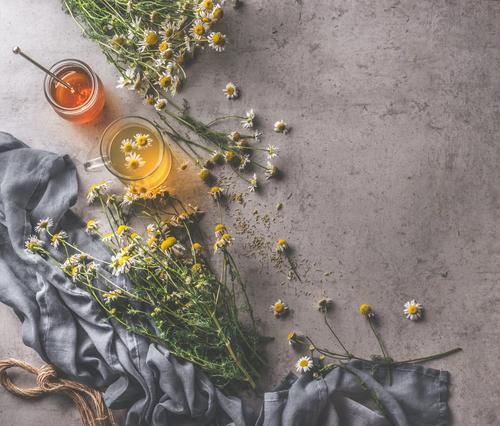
pixel 94 164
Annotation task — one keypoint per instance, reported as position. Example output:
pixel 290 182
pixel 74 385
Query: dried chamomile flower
pixel 231 91
pixel 279 308
pixel 413 310
pixel 205 175
pixel 304 364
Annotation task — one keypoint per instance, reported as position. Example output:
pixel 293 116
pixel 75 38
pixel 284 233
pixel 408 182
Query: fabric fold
pixel 67 328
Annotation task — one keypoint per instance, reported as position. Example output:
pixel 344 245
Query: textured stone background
pixel 391 180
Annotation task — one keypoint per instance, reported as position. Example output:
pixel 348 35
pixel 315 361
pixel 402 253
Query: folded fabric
pixel 65 325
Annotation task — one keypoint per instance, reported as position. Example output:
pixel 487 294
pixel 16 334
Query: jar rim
pixel 58 67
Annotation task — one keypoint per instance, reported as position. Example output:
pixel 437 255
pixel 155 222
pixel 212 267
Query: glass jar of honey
pixel 83 104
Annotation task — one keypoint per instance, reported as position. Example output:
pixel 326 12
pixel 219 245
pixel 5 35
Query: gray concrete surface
pixel 391 170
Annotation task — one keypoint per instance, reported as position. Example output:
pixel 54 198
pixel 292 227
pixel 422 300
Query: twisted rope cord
pixel 89 402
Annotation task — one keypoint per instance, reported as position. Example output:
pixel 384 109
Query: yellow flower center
pixel 230 155
pixel 151 242
pixel 134 163
pixel 141 140
pixel 198 29
pixel 196 267
pixel 127 147
pixel 151 38
pixel 217 14
pixel 123 260
pixel 230 90
pixel 219 227
pixel 292 335
pixel 196 246
pixel 281 242
pixel 304 363
pixel 168 243
pixel 74 271
pixel 226 237
pixel 214 189
pixel 364 309
pixel 163 46
pixel 208 4
pixel 165 80
pixel 134 235
pixel 281 126
pixel 279 306
pixel 412 309
pixel 168 32
pixel 217 38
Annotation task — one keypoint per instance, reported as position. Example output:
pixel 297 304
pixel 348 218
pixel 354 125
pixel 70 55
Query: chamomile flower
pixel 169 29
pixel 293 338
pixel 272 151
pixel 151 229
pixel 217 41
pixel 245 161
pixel 234 136
pixel 175 85
pixel 107 237
pixel 143 140
pixel 279 308
pixel 413 310
pixel 112 295
pixel 196 247
pixel 122 230
pixel 92 226
pixel 163 46
pixel 281 245
pixel 366 310
pixel 217 157
pixel 217 13
pixel 58 238
pixel 149 39
pixel 205 174
pixel 280 127
pixel 127 78
pixel 33 245
pixel 152 242
pixel 253 184
pixel 225 240
pixel 43 225
pixel 231 91
pixel 128 199
pixel 248 121
pixel 219 230
pixel 207 5
pixel 121 263
pixel 97 189
pixel 304 364
pixel 160 104
pixel 118 40
pixel 196 268
pixel 127 146
pixel 198 29
pixel 149 100
pixel 165 80
pixel 168 243
pixel 216 192
pixel 271 171
pixel 134 161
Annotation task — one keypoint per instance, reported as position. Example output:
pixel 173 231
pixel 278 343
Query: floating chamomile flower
pixel 225 240
pixel 231 91
pixel 43 225
pixel 97 189
pixel 150 38
pixel 413 310
pixel 217 41
pixel 304 364
pixel 248 121
pixel 272 151
pixel 92 226
pixel 280 127
pixel 134 161
pixel 160 104
pixel 33 245
pixel 271 171
pixel 127 146
pixel 253 184
pixel 366 310
pixel 281 245
pixel 216 192
pixel 279 308
pixel 58 238
pixel 143 140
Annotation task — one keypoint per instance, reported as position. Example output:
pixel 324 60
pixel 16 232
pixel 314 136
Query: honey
pixel 82 105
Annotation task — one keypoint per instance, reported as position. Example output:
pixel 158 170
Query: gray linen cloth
pixel 67 328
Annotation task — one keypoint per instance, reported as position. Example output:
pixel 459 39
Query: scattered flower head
pixel 271 171
pixel 33 245
pixel 413 310
pixel 366 310
pixel 279 308
pixel 248 121
pixel 97 189
pixel 231 91
pixel 280 127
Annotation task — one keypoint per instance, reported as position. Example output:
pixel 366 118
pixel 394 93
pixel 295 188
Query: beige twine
pixel 89 401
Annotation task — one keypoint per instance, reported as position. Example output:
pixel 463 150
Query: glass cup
pixel 81 106
pixel 144 167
